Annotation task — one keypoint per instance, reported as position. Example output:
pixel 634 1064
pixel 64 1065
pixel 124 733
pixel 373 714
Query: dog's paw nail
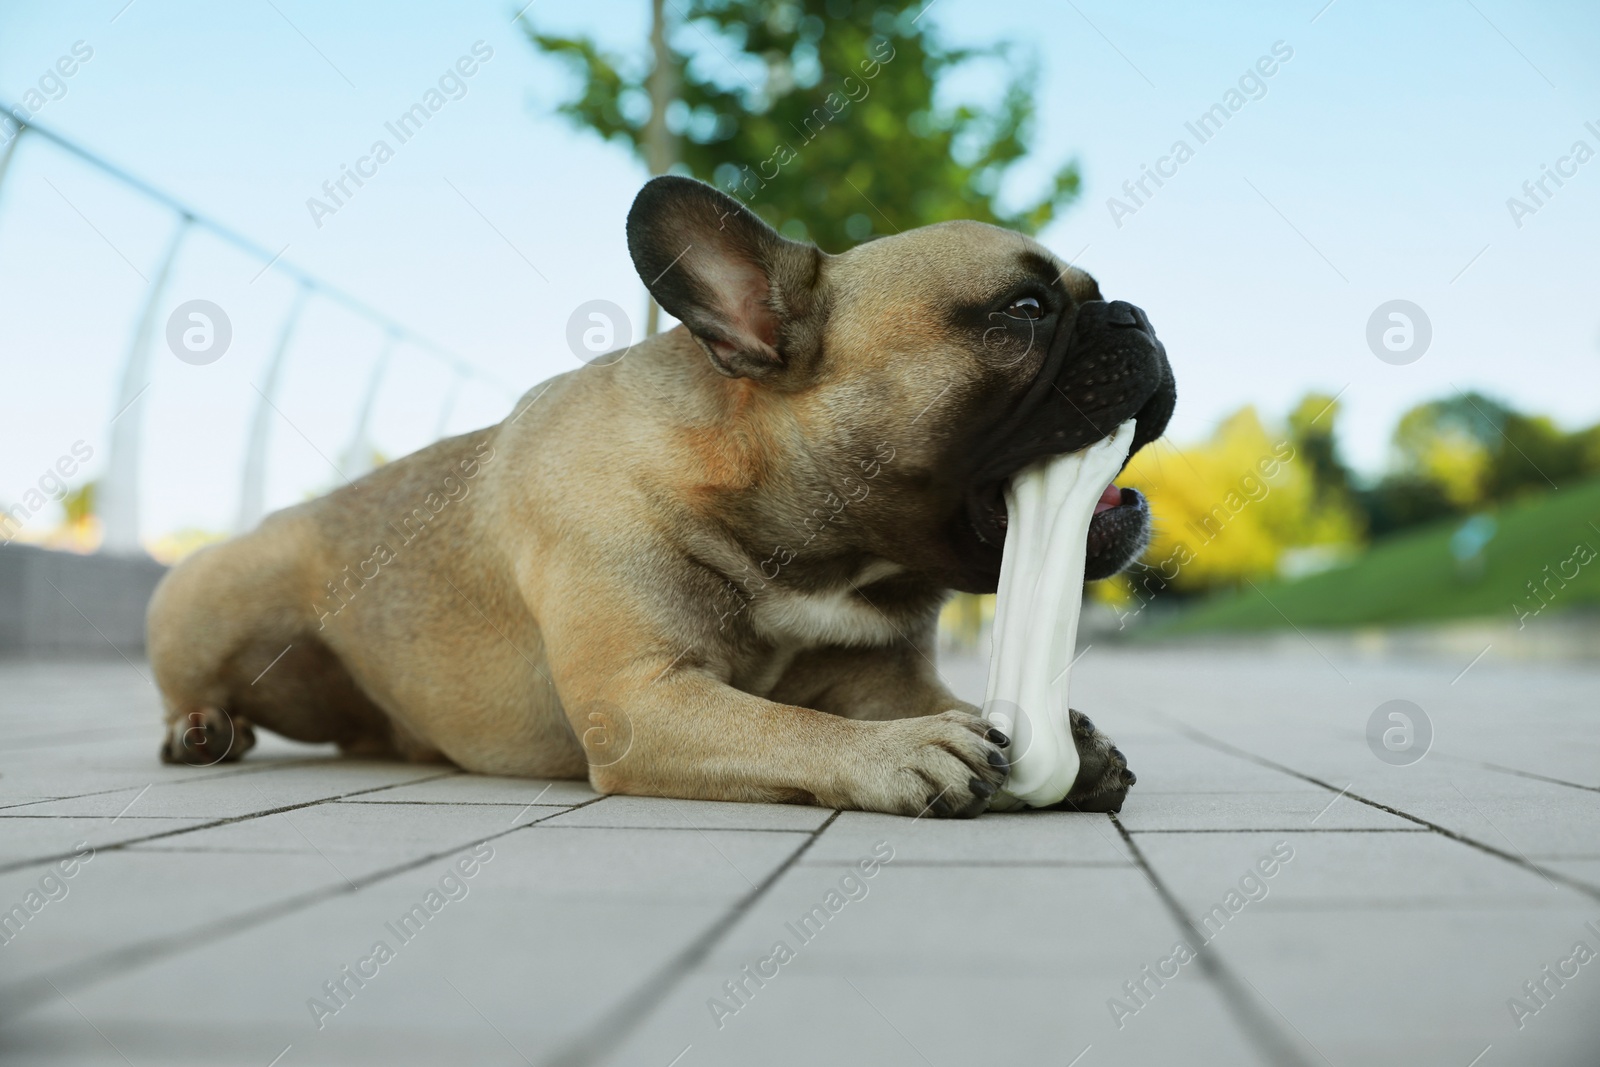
pixel 998 761
pixel 1117 753
pixel 997 737
pixel 981 788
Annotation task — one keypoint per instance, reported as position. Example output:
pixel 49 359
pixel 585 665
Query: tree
pixel 1311 427
pixel 1534 455
pixel 1451 443
pixel 1470 452
pixel 820 115
pixel 1229 508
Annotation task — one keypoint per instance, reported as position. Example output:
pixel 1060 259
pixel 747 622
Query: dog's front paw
pixel 947 765
pixel 1103 775
pixel 209 735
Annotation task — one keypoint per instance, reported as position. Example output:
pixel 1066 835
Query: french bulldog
pixel 711 567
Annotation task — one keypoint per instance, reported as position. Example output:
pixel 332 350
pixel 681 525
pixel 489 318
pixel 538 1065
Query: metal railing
pixel 117 502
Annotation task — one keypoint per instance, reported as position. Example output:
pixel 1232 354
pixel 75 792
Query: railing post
pixel 118 496
pixel 118 502
pixel 357 458
pixel 449 407
pixel 253 486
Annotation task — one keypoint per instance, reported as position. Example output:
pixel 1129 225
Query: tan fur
pixel 601 593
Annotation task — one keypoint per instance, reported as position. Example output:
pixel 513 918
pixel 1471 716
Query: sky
pixel 1374 164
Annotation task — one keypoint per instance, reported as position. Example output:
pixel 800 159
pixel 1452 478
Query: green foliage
pixel 1311 428
pixel 1470 452
pixel 1536 557
pixel 823 116
pixel 1256 502
pixel 1535 456
pixel 79 504
pixel 1233 507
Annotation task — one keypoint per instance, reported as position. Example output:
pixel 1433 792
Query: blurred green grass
pixel 1414 578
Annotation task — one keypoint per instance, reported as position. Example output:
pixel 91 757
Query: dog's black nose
pixel 1122 313
pixel 1114 349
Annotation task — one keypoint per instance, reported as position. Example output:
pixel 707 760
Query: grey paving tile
pixel 57 1036
pixel 46 774
pixel 641 865
pixel 1514 814
pixel 1254 811
pixel 1167 762
pixel 549 935
pixel 229 796
pixel 1586 870
pixel 1340 871
pixel 1005 936
pixel 483 789
pixel 893 971
pixel 126 897
pixel 355 839
pixel 661 813
pixel 915 1020
pixel 1029 837
pixel 531 970
pixel 1017 921
pixel 1429 986
pixel 25 839
pixel 22 799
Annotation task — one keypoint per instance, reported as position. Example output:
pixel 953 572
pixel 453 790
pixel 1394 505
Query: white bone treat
pixel 1049 505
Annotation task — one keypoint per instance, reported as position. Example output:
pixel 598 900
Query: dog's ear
pixel 745 293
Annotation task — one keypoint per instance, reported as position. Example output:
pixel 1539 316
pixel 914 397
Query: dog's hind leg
pixel 233 643
pixel 202 615
pixel 302 690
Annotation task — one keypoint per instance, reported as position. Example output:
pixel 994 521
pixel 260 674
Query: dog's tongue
pixel 1109 499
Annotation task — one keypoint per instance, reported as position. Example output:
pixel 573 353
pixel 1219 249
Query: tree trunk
pixel 660 147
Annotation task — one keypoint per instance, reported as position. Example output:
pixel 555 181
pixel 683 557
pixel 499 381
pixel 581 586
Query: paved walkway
pixel 1274 892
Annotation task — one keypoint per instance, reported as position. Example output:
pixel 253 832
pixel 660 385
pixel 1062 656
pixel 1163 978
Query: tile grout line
pixel 1549 875
pixel 1269 1040
pixel 463 803
pixel 694 829
pixel 230 773
pixel 22 996
pixel 983 865
pixel 1295 830
pixel 606 1033
pixel 17 865
pixel 1501 769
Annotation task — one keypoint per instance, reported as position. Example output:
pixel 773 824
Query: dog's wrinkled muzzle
pixel 1103 367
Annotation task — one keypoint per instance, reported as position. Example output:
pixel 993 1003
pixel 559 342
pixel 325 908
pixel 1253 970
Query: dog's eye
pixel 1025 308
